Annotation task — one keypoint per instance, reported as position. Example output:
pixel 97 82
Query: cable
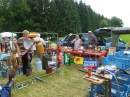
pixel 116 81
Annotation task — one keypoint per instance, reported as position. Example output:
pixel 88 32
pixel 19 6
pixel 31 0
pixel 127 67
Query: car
pixel 99 33
pixel 66 41
pixel 121 43
pixel 107 32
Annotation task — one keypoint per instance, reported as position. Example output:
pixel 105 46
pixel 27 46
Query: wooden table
pixel 100 55
pixel 102 80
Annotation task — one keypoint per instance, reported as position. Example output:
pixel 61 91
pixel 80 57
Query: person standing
pixel 77 42
pixel 92 40
pixel 26 53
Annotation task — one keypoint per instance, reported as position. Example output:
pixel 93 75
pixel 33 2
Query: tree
pixel 4 6
pixel 68 19
pixel 116 22
pixel 18 15
pixel 104 23
pixel 35 15
pixel 85 21
pixel 49 16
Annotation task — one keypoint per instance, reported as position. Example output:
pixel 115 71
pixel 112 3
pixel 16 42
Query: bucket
pixel 3 73
pixel 49 71
pixel 38 64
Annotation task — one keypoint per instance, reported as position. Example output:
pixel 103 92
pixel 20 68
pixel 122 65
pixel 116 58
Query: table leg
pixel 92 85
pixel 109 88
pixel 106 88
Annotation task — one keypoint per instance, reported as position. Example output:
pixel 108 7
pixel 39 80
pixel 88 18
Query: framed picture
pixel 112 50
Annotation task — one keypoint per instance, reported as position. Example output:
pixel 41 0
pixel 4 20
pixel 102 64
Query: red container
pixel 49 71
pixel 89 71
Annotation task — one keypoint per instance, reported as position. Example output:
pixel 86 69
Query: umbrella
pixel 8 34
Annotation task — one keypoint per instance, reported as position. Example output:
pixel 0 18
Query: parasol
pixel 8 34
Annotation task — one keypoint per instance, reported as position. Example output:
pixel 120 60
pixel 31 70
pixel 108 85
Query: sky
pixel 110 8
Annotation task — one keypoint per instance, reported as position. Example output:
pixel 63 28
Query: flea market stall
pixel 112 79
pixel 44 52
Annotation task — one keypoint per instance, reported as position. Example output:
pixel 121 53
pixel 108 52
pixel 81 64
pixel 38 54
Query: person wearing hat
pixel 92 40
pixel 25 53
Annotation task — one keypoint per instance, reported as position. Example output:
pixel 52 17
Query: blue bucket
pixel 3 73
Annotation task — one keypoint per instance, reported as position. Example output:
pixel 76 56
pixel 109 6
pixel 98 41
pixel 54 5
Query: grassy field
pixel 69 84
pixel 126 38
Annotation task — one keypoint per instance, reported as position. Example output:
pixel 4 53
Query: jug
pixel 38 64
pixel 39 48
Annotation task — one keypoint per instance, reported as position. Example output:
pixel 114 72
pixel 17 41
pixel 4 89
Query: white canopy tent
pixel 8 34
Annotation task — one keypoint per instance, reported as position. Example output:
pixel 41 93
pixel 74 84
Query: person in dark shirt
pixel 26 55
pixel 92 40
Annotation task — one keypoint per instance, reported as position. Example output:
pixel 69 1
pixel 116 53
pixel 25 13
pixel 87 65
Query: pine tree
pixel 85 20
pixel 18 13
pixel 68 19
pixel 49 16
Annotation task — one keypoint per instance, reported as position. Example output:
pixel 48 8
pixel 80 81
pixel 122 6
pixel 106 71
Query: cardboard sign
pixel 78 60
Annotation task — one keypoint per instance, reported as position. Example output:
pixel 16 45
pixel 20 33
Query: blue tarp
pixel 6 90
pixel 2 56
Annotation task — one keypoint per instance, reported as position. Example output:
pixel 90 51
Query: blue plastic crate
pixel 95 90
pixel 122 89
pixel 3 73
pixel 122 62
pixel 111 57
pixel 99 89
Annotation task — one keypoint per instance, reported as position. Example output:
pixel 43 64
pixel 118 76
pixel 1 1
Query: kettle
pixel 39 48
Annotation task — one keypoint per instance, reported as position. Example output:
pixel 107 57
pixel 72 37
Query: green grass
pixel 125 38
pixel 70 84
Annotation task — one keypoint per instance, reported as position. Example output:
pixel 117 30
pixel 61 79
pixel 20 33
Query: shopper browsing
pixel 77 42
